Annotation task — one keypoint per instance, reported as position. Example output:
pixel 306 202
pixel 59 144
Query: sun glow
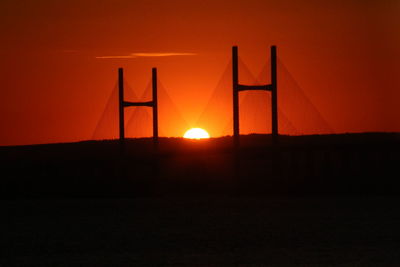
pixel 196 133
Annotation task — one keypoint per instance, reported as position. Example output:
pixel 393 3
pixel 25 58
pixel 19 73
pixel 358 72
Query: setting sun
pixel 196 133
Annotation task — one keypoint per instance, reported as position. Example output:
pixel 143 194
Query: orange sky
pixel 55 81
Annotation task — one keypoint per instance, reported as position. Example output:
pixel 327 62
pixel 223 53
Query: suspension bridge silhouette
pixel 297 114
pixel 271 103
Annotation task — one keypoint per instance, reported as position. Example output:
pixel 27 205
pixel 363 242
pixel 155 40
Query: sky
pixel 59 60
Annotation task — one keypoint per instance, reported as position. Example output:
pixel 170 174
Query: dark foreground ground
pixel 307 201
pixel 201 231
pixel 297 165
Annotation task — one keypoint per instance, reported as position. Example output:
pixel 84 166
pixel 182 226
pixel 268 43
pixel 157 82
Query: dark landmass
pixel 201 231
pixel 366 163
pixel 308 201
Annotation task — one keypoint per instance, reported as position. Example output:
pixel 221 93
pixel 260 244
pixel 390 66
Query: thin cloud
pixel 136 55
pixel 105 57
pixel 162 54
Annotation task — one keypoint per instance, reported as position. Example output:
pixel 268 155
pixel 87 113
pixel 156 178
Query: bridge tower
pixel 237 87
pixel 124 104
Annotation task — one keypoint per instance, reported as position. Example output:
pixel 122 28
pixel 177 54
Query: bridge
pixel 296 112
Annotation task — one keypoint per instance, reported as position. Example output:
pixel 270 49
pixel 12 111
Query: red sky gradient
pixel 57 74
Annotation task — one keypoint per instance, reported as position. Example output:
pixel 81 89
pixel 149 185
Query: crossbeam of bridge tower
pixel 124 104
pixel 237 87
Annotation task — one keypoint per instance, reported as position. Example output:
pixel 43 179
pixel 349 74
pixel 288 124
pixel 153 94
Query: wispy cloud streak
pixel 136 55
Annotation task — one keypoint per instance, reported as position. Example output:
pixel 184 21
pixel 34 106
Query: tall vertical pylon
pixel 123 104
pixel 237 87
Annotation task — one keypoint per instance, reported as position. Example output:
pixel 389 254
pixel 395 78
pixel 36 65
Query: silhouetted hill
pixel 316 164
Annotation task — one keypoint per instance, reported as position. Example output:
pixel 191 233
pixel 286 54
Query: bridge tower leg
pixel 235 82
pixel 274 95
pixel 155 108
pixel 121 104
